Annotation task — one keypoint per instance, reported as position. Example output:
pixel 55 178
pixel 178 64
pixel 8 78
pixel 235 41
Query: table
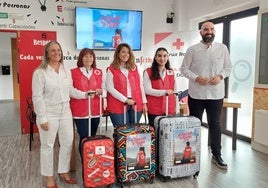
pixel 227 103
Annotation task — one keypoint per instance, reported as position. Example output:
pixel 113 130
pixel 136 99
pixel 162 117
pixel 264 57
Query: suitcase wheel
pixel 122 184
pixel 196 174
pixel 163 178
pixel 111 186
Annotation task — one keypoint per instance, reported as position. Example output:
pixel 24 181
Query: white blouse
pixel 52 88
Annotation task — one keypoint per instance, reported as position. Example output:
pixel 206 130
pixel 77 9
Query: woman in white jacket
pixel 51 90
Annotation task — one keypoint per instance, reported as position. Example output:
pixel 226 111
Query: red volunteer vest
pixel 116 40
pixel 157 105
pixel 187 152
pixel 79 107
pixel 142 159
pixel 120 84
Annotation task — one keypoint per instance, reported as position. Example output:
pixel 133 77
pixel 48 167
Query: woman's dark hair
pixel 155 71
pixel 84 52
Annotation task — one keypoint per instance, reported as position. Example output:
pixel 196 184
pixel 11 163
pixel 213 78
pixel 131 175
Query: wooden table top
pixel 227 103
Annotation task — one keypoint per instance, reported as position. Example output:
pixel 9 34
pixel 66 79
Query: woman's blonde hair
pixel 45 60
pixel 130 64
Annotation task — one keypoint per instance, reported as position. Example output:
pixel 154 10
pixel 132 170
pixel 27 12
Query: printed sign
pixel 185 145
pixel 138 151
pixel 30 53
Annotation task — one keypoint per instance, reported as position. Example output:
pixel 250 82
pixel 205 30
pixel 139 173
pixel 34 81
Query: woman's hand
pixel 98 91
pixel 44 126
pixel 91 93
pixel 144 108
pixel 130 102
pixel 169 92
pixel 104 103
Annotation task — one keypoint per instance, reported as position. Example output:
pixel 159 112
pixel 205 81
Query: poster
pixel 185 145
pixel 138 151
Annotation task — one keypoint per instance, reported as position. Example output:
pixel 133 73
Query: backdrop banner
pixel 30 53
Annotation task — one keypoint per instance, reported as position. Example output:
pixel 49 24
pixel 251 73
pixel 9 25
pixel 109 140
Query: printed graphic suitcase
pixel 135 153
pixel 98 161
pixel 97 157
pixel 178 146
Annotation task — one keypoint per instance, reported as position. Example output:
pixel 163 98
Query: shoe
pixel 49 179
pixel 219 162
pixel 69 181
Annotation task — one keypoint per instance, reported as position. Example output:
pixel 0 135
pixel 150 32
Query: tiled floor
pixel 247 168
pixel 10 118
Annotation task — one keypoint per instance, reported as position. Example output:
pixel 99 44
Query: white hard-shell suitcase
pixel 178 146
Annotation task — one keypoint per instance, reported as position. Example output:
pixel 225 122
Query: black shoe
pixel 219 162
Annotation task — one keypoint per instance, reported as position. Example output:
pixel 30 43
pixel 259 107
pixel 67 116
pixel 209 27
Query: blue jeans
pixel 151 118
pixel 118 119
pixel 82 129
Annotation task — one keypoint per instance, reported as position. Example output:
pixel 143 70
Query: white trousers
pixel 59 122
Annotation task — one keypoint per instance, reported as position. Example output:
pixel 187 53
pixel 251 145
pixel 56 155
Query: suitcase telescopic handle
pixel 177 103
pixel 89 110
pixel 145 118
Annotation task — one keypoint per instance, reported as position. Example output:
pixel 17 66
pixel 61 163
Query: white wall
pixel 27 15
pixel 198 11
pixel 154 20
pixel 6 83
pixel 187 15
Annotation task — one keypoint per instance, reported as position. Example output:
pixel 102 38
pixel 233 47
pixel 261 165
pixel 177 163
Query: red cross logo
pixel 178 43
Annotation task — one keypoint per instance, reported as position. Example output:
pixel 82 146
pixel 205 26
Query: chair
pixel 31 117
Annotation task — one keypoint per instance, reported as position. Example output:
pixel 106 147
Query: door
pixel 15 73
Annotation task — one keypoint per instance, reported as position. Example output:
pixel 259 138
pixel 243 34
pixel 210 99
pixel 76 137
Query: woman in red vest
pixel 87 77
pixel 124 86
pixel 159 80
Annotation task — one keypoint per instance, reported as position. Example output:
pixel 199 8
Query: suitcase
pixel 135 153
pixel 97 159
pixel 178 146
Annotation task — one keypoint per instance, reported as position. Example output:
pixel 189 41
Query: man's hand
pixel 215 80
pixel 202 80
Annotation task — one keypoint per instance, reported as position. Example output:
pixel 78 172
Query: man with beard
pixel 206 64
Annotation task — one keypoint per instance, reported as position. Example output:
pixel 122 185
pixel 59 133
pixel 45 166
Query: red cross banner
pixel 30 53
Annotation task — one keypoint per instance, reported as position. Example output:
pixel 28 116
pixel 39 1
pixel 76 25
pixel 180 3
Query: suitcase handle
pixel 96 137
pixel 89 115
pixel 177 94
pixel 145 118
